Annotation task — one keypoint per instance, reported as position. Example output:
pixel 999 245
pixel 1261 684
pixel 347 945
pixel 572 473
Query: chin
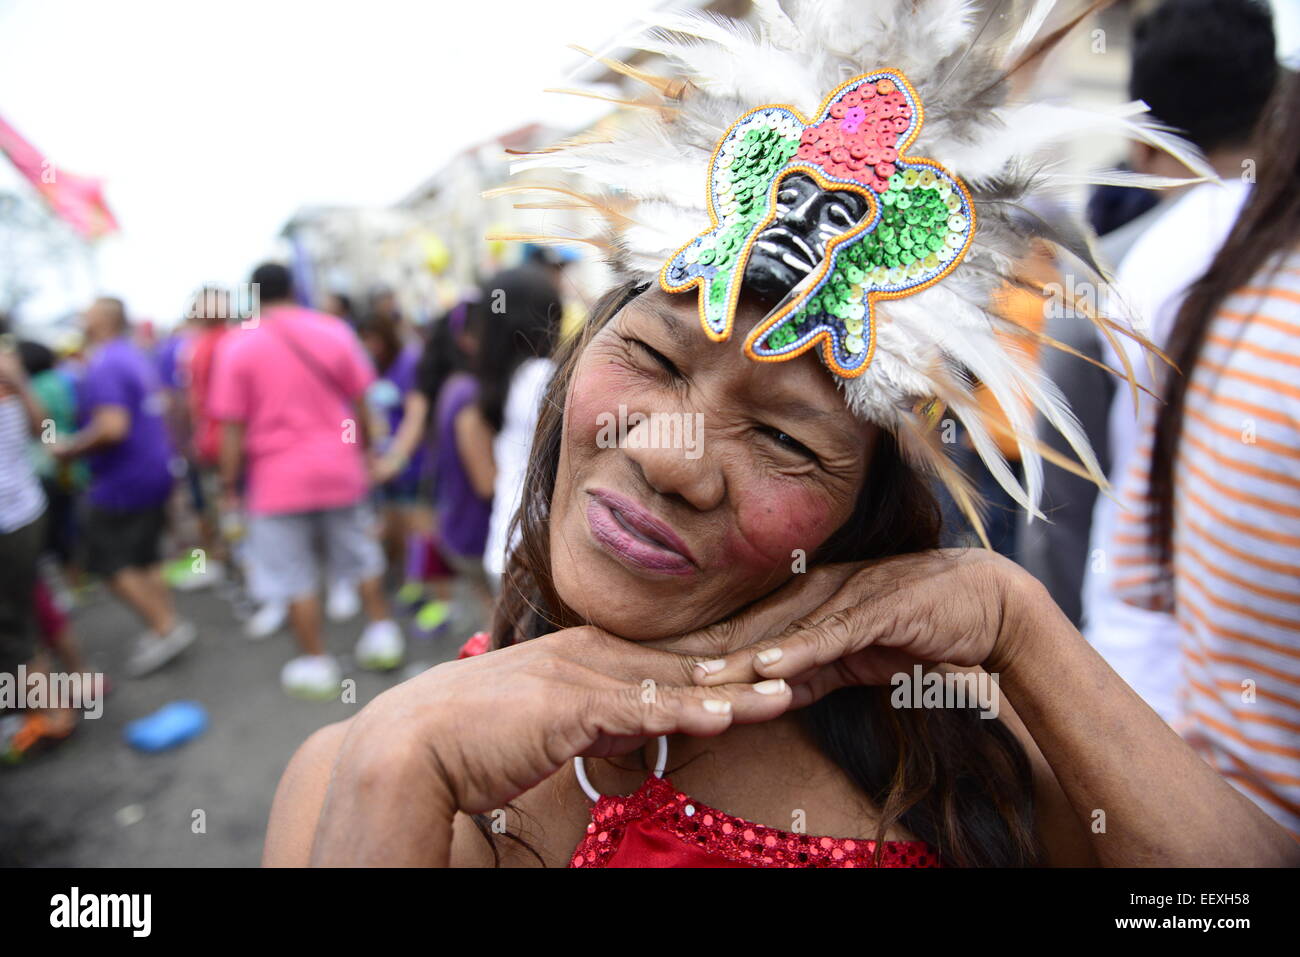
pixel 615 601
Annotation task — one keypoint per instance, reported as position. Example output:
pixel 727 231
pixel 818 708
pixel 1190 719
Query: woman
pixel 22 539
pixel 445 354
pixel 514 376
pixel 1210 530
pixel 756 599
pixel 398 406
pixel 521 713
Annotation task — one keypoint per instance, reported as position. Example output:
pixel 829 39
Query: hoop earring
pixel 580 768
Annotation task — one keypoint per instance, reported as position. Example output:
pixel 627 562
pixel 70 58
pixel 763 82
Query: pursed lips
pixel 638 523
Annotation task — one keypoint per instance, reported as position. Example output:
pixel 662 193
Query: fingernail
pixel 717 706
pixel 770 656
pixel 770 686
pixel 711 667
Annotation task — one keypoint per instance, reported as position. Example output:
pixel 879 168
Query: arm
pixel 1163 804
pixel 362 416
pixel 474 442
pixel 1107 749
pixel 108 425
pixel 231 457
pixel 299 797
pixel 347 796
pixel 410 432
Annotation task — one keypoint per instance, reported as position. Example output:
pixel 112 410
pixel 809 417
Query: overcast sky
pixel 213 122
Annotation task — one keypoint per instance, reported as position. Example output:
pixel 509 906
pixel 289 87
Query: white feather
pixel 952 51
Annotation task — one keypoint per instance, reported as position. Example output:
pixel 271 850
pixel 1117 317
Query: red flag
pixel 78 200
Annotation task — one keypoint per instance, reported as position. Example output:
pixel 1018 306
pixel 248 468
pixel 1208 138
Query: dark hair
pixel 384 328
pixel 958 781
pixel 345 302
pixel 442 356
pixel 1268 224
pixel 515 319
pixel 1205 67
pixel 35 356
pixel 274 282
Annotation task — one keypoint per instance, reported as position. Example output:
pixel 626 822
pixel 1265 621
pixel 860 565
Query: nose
pixel 803 212
pixel 672 467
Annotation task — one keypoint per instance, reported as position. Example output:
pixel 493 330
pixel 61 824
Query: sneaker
pixel 181 575
pixel 267 620
pixel 312 676
pixel 432 616
pixel 410 596
pixel 153 651
pixel 343 602
pixel 381 646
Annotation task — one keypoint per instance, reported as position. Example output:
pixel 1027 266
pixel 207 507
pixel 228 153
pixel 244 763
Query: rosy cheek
pixel 597 388
pixel 774 519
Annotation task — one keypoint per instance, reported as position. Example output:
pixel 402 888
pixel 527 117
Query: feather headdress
pixel 951 179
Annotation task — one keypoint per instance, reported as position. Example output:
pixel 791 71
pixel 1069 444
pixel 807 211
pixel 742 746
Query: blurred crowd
pixel 312 463
pixel 305 463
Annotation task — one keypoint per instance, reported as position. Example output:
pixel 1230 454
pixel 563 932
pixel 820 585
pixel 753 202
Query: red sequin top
pixel 659 826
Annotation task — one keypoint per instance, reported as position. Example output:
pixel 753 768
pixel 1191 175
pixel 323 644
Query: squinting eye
pixel 785 440
pixel 840 213
pixel 659 357
pixel 787 196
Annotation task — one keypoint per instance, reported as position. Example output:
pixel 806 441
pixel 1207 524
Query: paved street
pixel 93 801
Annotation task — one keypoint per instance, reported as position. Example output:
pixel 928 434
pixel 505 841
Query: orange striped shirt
pixel 1234 582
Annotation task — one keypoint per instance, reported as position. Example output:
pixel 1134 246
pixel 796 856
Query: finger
pixel 702 712
pixel 627 660
pixel 754 702
pixel 807 644
pixel 763 620
pixel 739 669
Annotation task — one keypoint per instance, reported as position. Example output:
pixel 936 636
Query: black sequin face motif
pixel 807 218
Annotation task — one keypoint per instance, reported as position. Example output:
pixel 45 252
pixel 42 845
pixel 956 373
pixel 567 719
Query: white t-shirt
pixel 511 449
pixel 1143 646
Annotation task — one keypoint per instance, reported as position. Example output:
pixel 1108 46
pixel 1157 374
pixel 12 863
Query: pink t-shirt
pixel 301 441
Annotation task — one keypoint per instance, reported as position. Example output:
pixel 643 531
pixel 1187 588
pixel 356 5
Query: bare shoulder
pixel 300 797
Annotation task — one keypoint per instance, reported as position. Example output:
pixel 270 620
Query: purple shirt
pixel 136 472
pixel 170 368
pixel 399 379
pixel 462 516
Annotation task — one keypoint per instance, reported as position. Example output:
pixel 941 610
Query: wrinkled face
pixel 807 218
pixel 689 475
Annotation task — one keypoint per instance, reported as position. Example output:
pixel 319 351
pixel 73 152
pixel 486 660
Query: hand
pixel 230 516
pixel 951 606
pixel 474 734
pixel 384 469
pixel 64 451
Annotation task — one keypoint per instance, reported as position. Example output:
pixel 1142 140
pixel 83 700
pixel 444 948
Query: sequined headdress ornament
pixel 918 221
pixel 882 223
